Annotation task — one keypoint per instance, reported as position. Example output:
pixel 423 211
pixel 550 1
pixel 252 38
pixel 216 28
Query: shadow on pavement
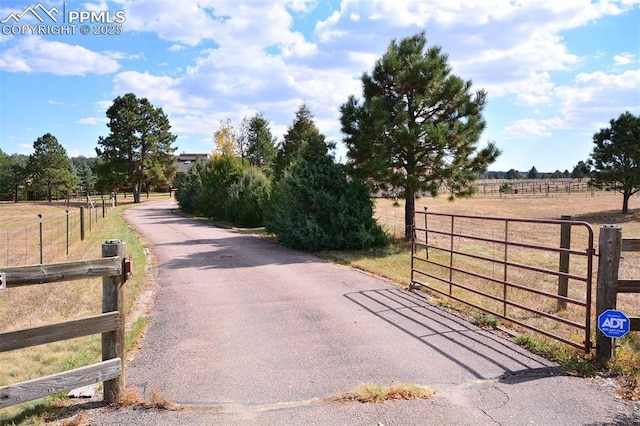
pixel 480 352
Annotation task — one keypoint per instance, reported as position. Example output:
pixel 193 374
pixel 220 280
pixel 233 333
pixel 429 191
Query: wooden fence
pixel 113 267
pixel 611 244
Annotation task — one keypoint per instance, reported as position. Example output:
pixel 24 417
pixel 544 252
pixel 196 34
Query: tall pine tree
pixel 417 126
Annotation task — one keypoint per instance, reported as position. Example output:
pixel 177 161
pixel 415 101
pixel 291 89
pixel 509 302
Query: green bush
pixel 248 198
pixel 315 207
pixel 190 188
pixel 217 177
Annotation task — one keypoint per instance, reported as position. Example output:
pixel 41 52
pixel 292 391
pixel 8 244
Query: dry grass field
pixel 603 208
pixel 597 209
pixel 36 305
pixel 33 306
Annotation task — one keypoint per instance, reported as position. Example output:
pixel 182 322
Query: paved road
pixel 245 331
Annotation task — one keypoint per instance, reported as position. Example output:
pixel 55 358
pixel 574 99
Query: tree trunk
pixel 625 201
pixel 409 207
pixel 136 192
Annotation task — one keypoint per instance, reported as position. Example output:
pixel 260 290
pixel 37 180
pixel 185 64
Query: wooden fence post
pixel 113 300
pixel 81 223
pixel 563 281
pixel 609 246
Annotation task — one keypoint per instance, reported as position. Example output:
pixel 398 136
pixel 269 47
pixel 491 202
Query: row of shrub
pixel 311 204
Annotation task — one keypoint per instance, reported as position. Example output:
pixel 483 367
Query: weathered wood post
pixel 81 223
pixel 565 243
pixel 609 246
pixel 113 300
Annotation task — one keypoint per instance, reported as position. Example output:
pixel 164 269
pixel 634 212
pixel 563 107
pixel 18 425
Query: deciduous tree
pixel 417 126
pixel 226 140
pixel 615 160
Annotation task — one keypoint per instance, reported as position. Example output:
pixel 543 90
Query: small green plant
pixel 369 392
pixel 577 366
pixel 569 362
pixel 545 349
pixel 505 188
pixel 486 321
pixel 131 338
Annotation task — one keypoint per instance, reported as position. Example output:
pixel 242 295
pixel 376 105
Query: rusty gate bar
pixel 582 324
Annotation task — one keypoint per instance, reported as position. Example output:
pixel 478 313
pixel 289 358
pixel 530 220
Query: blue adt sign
pixel 613 323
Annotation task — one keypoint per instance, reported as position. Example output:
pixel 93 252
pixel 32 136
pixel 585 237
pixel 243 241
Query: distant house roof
pixel 186 160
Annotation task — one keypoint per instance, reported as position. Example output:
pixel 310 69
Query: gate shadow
pixel 482 353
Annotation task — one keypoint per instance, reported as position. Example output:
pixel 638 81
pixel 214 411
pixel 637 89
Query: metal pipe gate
pixel 524 271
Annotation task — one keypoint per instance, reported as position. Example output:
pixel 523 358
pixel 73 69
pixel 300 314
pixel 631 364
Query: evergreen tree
pixel 260 144
pixel 579 170
pixel 49 167
pixel 248 198
pixel 190 188
pixel 138 152
pixel 615 160
pixel 513 174
pixel 315 206
pixel 417 127
pixel 218 174
pixel 302 130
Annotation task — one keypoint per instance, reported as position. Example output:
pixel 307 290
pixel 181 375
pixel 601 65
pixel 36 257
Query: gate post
pixel 565 243
pixel 113 300
pixel 609 246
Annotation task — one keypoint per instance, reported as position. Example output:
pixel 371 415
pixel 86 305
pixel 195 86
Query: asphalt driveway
pixel 245 331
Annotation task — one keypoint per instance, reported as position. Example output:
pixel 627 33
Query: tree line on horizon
pixel 416 129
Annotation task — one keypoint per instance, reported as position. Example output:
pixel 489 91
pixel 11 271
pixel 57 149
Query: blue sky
pixel 555 71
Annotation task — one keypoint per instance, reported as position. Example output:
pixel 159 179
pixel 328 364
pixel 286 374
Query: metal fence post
pixel 67 232
pixel 40 221
pixel 609 247
pixel 113 300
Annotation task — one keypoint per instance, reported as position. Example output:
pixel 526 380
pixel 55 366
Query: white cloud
pixel 34 54
pixel 91 121
pixel 502 46
pixel 595 98
pixel 250 59
pixel 59 103
pixel 625 58
pixel 530 128
pixel 123 55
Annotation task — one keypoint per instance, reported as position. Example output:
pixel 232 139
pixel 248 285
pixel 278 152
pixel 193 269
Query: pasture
pixel 37 305
pixel 598 208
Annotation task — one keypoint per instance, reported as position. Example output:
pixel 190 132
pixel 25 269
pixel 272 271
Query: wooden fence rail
pixel 110 324
pixel 611 244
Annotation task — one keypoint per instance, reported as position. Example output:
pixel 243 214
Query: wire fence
pixel 31 239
